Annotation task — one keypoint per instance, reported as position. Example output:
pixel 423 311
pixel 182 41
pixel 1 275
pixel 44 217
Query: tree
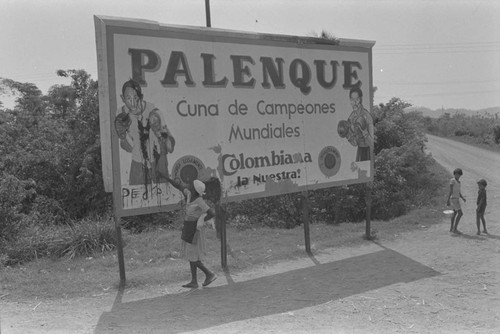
pixel 30 103
pixel 63 100
pixel 61 154
pixel 395 127
pixel 87 189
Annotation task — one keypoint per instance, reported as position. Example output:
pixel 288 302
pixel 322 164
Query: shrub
pixel 340 204
pixel 496 133
pixel 47 211
pixel 14 194
pixel 400 174
pixel 281 211
pixel 78 239
pixel 481 129
pixel 142 223
pixel 462 132
pixel 86 238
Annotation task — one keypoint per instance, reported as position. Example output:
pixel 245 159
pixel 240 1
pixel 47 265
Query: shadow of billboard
pixel 279 293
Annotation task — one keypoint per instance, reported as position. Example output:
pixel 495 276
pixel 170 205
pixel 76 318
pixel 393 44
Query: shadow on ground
pixel 284 292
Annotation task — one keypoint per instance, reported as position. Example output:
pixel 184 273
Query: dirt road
pixel 426 281
pixel 475 162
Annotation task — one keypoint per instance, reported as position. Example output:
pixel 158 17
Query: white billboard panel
pixel 266 114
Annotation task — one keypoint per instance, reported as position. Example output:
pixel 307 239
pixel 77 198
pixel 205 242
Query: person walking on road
pixel 193 235
pixel 454 197
pixel 481 206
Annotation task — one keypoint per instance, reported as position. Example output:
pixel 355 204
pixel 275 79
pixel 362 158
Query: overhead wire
pixel 463 47
pixel 426 83
pixel 444 48
pixel 446 94
pixel 379 49
pixel 40 76
pixel 436 48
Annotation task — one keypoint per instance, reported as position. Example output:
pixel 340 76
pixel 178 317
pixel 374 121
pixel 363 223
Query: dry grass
pixel 151 259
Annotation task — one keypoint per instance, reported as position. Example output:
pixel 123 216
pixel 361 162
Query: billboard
pixel 266 114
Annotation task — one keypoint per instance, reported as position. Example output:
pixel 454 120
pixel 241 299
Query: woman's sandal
pixel 209 279
pixel 191 285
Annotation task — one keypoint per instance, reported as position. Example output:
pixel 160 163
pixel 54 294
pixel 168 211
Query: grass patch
pixel 152 258
pixel 38 241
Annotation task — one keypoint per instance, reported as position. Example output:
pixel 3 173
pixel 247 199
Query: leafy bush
pixel 138 224
pixel 401 173
pixel 339 204
pixel 496 133
pixel 476 129
pixel 54 140
pixel 394 127
pixel 281 211
pixel 14 193
pixel 463 132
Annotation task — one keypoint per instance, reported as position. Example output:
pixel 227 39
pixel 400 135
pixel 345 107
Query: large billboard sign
pixel 266 114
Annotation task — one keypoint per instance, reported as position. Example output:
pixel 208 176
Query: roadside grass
pixel 152 258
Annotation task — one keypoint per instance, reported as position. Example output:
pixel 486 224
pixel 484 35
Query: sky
pixel 430 53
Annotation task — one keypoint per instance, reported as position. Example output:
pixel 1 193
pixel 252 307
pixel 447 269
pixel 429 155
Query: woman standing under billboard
pixel 197 212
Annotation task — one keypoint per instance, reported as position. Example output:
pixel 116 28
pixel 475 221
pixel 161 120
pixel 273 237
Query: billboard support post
pixel 220 218
pixel 119 248
pixel 305 220
pixel 368 201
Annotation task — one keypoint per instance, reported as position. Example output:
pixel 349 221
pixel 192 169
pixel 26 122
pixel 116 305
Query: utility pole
pixel 207 11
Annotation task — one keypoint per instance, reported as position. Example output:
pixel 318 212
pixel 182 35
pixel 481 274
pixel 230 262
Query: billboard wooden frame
pixel 108 28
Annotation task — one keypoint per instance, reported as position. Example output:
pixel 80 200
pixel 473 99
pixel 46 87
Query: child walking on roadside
pixel 454 197
pixel 481 206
